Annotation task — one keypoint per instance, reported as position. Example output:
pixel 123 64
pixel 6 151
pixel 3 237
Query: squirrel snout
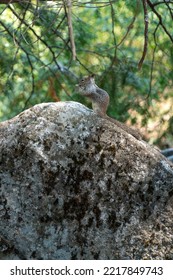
pixel 78 88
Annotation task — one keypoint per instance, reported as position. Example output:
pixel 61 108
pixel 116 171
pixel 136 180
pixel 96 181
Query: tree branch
pixel 128 30
pixel 68 4
pixel 160 19
pixel 145 34
pixel 14 1
pixel 161 2
pixel 36 35
pixel 170 11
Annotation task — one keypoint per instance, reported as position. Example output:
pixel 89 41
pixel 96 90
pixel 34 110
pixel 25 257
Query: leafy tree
pixel 46 46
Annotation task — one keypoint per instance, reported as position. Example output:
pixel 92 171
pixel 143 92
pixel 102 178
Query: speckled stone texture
pixel 75 186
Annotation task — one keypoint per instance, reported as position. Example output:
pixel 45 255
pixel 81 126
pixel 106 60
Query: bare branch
pixel 36 35
pixel 161 2
pixel 28 57
pixel 170 11
pixel 113 22
pixel 151 73
pixel 145 34
pixel 92 4
pixel 160 19
pixel 13 1
pixel 114 37
pixel 130 26
pixel 70 27
pixel 128 30
pixel 33 81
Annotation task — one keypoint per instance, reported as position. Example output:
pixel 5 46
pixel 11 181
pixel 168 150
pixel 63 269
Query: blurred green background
pixel 36 63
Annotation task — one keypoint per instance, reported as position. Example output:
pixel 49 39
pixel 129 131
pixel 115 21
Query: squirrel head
pixel 87 84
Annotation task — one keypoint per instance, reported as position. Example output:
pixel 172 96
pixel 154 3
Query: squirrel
pixel 100 101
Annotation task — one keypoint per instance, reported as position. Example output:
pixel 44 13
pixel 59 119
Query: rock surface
pixel 75 186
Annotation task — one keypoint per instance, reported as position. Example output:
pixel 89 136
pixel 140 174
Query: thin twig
pixel 68 5
pixel 170 11
pixel 93 5
pixel 113 22
pixel 161 2
pixel 28 57
pixel 33 82
pixel 18 44
pixel 145 34
pixel 128 30
pixel 151 74
pixel 114 59
pixel 36 35
pixel 152 64
pixel 160 19
pixel 130 26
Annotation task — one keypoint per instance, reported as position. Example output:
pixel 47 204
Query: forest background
pixel 47 46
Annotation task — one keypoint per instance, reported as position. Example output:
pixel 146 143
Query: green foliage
pixel 36 58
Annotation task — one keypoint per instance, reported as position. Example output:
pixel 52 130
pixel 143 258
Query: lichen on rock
pixel 76 186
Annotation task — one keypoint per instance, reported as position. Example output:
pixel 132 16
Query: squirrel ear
pixel 92 76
